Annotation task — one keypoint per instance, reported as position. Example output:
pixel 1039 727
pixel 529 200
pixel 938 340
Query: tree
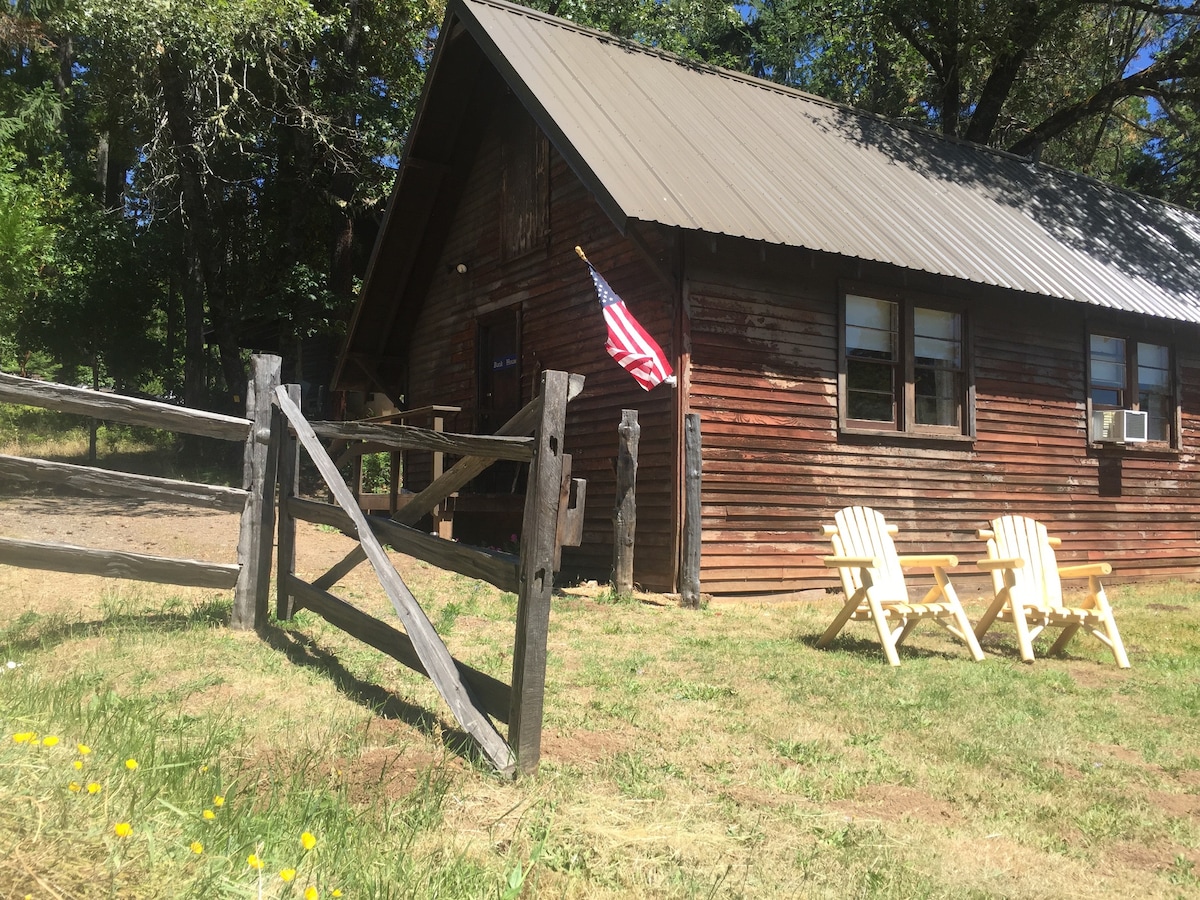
pixel 1083 79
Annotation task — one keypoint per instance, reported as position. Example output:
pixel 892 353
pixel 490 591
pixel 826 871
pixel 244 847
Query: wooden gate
pixel 550 520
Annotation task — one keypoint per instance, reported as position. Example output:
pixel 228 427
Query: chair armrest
pixel 851 562
pixel 1085 570
pixel 933 561
pixel 989 565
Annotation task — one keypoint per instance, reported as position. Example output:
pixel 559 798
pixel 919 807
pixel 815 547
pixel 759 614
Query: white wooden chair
pixel 1028 589
pixel 873 579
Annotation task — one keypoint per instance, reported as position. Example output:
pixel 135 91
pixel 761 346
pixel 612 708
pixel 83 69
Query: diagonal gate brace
pixel 438 662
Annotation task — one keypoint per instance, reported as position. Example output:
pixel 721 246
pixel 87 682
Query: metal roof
pixel 659 139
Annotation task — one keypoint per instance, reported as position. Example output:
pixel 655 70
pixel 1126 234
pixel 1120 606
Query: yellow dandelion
pixel 24 737
pixel 209 814
pixel 286 875
pixel 123 829
pixel 253 861
pixel 336 892
pixel 308 840
pixel 311 893
pixel 35 742
pixel 218 800
pixel 131 764
pixel 197 847
pixel 202 769
pixel 74 787
pixel 78 764
pixel 49 741
pixel 94 787
pixel 83 749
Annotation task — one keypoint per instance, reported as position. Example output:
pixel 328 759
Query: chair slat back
pixel 861 531
pixel 1020 536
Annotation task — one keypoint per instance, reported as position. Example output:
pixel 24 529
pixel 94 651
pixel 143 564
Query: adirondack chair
pixel 1028 589
pixel 873 579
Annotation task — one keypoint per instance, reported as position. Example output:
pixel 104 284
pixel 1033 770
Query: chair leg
pixel 986 620
pixel 885 632
pixel 843 616
pixel 1060 644
pixel 1110 622
pixel 1024 638
pixel 959 614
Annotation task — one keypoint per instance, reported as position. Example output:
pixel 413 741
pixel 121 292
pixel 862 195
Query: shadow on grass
pixel 33 631
pixel 871 648
pixel 302 650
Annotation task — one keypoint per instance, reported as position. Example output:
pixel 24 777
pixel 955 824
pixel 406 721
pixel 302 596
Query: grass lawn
pixel 686 754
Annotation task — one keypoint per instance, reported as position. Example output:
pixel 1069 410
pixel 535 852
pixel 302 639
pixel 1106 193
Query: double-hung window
pixel 1124 373
pixel 904 368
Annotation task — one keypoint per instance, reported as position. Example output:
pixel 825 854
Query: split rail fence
pixel 273 433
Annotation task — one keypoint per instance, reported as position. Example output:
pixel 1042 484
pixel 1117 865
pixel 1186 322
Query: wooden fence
pixel 273 433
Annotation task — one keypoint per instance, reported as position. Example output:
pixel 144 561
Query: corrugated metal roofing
pixel 667 141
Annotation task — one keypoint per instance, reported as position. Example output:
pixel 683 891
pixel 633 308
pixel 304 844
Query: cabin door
pixel 498 381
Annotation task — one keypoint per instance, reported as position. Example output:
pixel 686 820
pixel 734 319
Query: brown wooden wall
pixel 763 337
pixel 561 328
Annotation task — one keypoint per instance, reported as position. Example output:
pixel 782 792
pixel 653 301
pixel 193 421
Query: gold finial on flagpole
pixel 582 255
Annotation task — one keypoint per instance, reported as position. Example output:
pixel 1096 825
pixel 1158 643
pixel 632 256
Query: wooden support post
pixel 538 531
pixel 625 510
pixel 258 518
pixel 689 563
pixel 289 486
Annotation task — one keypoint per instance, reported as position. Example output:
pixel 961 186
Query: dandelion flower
pixel 24 737
pixel 286 875
pixel 131 764
pixel 78 764
pixel 218 800
pixel 311 893
pixel 209 814
pixel 202 769
pixel 336 892
pixel 83 749
pixel 94 787
pixel 123 829
pixel 308 840
pixel 253 861
pixel 34 742
pixel 197 847
pixel 74 787
pixel 49 741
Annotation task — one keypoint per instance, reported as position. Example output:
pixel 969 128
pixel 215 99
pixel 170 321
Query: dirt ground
pixel 133 525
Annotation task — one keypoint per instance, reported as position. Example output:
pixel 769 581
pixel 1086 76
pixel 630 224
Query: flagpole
pixel 582 255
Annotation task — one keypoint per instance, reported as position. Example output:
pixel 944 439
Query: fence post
pixel 289 474
pixel 536 580
pixel 689 576
pixel 258 518
pixel 625 511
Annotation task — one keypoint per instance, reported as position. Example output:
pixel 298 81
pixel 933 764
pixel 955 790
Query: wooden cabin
pixel 858 311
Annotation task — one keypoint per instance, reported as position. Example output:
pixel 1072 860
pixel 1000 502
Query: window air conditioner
pixel 1119 426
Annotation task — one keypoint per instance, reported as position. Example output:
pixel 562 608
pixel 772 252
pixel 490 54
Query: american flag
pixel 628 343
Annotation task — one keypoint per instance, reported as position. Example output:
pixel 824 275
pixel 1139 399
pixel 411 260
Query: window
pixel 1131 374
pixel 905 368
pixel 525 185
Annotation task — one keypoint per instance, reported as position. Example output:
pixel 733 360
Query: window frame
pixel 1132 338
pixel 905 427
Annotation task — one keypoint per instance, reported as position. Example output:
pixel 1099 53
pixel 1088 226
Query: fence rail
pixel 272 433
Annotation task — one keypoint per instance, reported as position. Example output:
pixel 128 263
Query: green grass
pixel 686 754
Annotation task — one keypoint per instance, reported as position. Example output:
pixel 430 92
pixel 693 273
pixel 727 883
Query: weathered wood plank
pixel 252 594
pixel 625 507
pixel 117 408
pixel 410 437
pixel 496 568
pixel 123 484
pixel 491 692
pixel 438 663
pixel 538 530
pixel 689 576
pixel 117 564
pixel 289 486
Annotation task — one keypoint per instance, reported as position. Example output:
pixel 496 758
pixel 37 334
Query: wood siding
pixel 764 349
pixel 560 328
